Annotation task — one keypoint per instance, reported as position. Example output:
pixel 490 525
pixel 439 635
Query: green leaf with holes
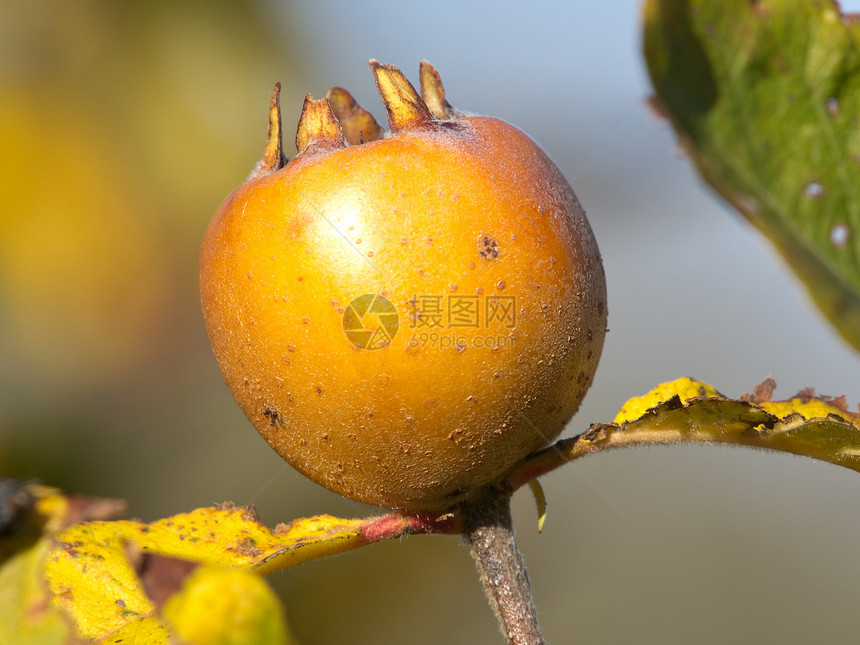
pixel 765 96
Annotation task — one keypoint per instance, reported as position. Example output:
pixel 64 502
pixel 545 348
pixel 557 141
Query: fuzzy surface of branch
pixel 488 529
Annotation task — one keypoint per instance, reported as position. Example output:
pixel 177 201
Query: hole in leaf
pixel 813 190
pixel 839 236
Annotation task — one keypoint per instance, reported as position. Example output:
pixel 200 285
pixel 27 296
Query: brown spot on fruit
pixel 275 420
pixel 488 248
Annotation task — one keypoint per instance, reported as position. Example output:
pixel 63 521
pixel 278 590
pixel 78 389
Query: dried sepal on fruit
pixel 319 129
pixel 358 124
pixel 433 93
pixel 405 107
pixel 273 157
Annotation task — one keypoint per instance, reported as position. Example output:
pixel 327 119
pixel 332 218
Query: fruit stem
pixel 488 528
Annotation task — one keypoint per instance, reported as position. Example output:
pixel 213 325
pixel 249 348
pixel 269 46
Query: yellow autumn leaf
pixel 808 405
pixel 31 516
pixel 808 408
pixel 94 570
pixel 685 388
pixel 94 581
pixel 25 613
pixel 690 411
pixel 222 606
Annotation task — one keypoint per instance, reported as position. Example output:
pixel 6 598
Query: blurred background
pixel 122 127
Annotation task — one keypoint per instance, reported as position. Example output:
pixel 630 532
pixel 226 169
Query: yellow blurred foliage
pixel 220 606
pixel 123 128
pixel 81 276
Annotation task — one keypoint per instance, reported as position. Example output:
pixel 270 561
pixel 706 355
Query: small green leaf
pixel 540 501
pixel 765 95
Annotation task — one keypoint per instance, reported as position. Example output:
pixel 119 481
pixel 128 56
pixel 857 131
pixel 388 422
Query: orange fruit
pixel 404 316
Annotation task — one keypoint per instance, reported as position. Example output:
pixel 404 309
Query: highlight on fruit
pixel 404 315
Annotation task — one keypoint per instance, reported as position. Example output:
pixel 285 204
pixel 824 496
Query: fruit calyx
pixel 433 93
pixel 319 129
pixel 337 120
pixel 358 124
pixel 405 107
pixel 273 157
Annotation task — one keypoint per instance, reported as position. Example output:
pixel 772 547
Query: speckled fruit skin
pixel 412 425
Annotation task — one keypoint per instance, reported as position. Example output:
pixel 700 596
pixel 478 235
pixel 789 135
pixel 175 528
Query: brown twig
pixel 489 531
